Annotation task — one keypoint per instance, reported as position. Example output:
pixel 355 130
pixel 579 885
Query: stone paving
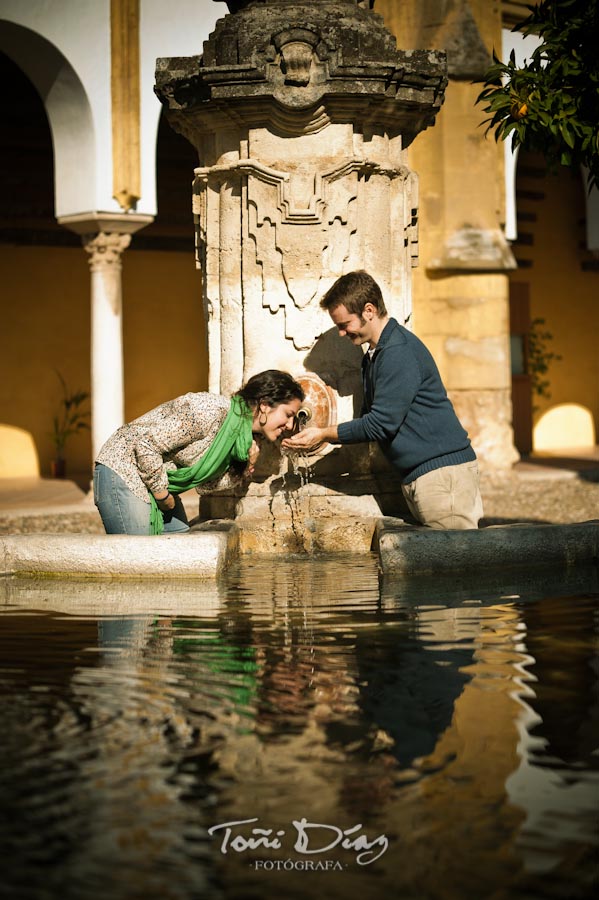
pixel 556 490
pixel 549 499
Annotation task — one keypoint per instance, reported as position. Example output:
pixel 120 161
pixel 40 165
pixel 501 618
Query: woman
pixel 197 440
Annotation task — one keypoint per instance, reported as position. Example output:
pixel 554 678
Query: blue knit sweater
pixel 406 408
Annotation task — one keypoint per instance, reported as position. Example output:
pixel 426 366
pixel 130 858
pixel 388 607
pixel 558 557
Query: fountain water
pixel 138 719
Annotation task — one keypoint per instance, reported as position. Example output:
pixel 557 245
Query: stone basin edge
pixel 204 553
pixel 209 549
pixel 410 550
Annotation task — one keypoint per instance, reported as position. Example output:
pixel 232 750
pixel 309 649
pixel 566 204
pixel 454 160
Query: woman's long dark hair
pixel 272 388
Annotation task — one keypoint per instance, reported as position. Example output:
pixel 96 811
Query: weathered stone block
pixel 198 555
pixel 412 550
pixel 306 534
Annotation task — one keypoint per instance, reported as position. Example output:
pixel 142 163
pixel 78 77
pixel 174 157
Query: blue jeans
pixel 124 513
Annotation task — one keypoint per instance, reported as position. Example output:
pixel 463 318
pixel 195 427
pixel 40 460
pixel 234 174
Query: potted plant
pixel 69 420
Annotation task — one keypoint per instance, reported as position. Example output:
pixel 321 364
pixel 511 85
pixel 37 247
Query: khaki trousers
pixel 446 498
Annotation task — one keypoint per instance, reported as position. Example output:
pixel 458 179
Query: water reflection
pixel 460 727
pixel 559 741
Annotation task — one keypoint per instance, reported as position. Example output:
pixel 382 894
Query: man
pixel 406 409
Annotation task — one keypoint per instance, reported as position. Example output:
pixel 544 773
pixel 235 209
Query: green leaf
pixel 567 134
pixel 559 84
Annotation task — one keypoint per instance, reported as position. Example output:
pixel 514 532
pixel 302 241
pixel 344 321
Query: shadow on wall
pixel 18 454
pixel 337 361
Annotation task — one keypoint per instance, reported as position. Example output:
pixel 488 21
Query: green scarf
pixel 232 442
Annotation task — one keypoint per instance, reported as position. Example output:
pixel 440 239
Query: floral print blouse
pixel 172 435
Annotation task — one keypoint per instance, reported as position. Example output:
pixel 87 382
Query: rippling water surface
pixel 300 729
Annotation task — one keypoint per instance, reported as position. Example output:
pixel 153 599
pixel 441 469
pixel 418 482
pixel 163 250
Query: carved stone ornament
pixel 235 5
pixel 296 48
pixel 296 242
pixel 330 60
pixel 105 250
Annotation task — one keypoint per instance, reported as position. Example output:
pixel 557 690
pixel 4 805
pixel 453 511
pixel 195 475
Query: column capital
pixel 105 249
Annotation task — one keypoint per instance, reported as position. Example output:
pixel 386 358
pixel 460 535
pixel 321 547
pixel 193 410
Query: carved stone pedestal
pixel 301 114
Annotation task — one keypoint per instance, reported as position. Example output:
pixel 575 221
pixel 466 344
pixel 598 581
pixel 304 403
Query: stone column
pixel 105 237
pixel 107 394
pixel 301 114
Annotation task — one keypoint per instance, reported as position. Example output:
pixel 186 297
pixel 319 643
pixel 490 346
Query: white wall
pixel 63 46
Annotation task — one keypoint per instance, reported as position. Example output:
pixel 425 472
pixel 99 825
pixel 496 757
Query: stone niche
pixel 301 114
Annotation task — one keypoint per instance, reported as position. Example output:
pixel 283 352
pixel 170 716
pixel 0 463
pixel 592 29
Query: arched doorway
pixel 553 299
pixel 45 308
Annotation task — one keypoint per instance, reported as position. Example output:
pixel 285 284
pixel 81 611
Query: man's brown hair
pixel 354 290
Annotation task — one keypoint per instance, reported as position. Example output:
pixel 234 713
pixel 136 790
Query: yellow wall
pixel 163 327
pixel 461 184
pixel 551 251
pixel 46 326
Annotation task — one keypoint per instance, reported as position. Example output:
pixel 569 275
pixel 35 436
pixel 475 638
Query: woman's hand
pixel 308 439
pixel 253 455
pixel 166 503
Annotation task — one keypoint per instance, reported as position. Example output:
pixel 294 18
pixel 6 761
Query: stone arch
pixel 511 209
pixel 174 161
pixel 565 425
pixel 69 114
pixel 18 453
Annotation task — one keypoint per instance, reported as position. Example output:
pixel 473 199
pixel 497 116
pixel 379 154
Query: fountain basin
pixel 155 712
pixel 210 547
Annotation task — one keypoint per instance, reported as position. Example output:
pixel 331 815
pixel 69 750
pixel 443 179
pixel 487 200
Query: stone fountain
pixel 301 114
